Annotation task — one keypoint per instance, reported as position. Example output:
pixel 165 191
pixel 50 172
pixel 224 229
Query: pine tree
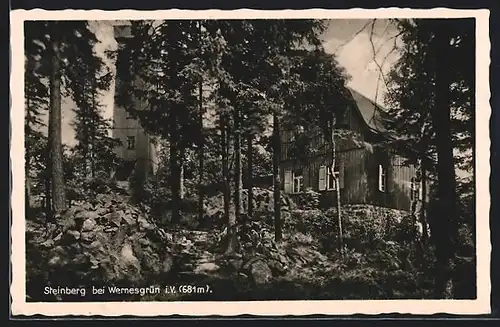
pixel 36 104
pixel 431 97
pixel 315 100
pixel 166 59
pixel 62 48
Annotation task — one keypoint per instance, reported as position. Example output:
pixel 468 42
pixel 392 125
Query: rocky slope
pixel 108 242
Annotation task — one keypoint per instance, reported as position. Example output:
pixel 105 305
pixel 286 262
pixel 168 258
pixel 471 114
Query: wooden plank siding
pixel 358 162
pixel 359 178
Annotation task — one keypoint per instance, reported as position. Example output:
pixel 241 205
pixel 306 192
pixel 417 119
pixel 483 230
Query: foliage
pixel 308 200
pixel 411 88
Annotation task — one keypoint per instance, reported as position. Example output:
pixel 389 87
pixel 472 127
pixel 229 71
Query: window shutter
pixel 322 178
pixel 288 181
pixel 381 178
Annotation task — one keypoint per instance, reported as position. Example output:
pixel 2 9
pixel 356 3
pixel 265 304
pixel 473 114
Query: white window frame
pixel 129 139
pixel 382 178
pixel 296 178
pixel 128 114
pixel 288 181
pixel 413 188
pixel 329 176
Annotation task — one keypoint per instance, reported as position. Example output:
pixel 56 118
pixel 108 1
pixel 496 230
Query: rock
pixel 48 243
pixel 110 229
pixel 129 219
pixel 144 241
pixel 114 218
pixel 128 257
pixel 102 211
pixel 79 259
pixel 87 213
pixel 260 273
pixel 74 234
pixel 235 264
pixel 89 224
pixel 72 211
pixel 168 263
pixel 96 245
pixel 206 267
pixel 67 223
pixel 87 236
pixel 277 267
pixel 58 256
pixel 58 237
pixel 144 224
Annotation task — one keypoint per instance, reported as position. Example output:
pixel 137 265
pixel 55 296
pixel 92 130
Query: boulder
pixel 260 273
pixel 206 267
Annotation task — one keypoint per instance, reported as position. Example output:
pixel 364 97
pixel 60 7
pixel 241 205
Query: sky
pixel 349 39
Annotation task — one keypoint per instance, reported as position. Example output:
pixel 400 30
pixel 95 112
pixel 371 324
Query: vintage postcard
pixel 215 162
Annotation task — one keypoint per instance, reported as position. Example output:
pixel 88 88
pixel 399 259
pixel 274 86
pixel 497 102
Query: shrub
pixel 308 200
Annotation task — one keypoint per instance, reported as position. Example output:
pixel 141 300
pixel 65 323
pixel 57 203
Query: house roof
pixel 372 113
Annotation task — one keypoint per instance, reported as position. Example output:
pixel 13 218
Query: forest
pixel 218 93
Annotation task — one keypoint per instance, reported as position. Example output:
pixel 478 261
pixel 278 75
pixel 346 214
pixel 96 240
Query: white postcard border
pixel 265 308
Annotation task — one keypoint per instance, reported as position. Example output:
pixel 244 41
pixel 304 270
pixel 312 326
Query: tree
pixel 324 99
pixel 95 147
pixel 55 138
pixel 36 104
pixel 259 72
pixel 162 67
pixel 61 48
pixel 431 97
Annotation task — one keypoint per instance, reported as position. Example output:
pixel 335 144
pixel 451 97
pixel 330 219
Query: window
pixel 298 183
pixel 131 142
pixel 294 183
pixel 382 178
pixel 415 190
pixel 326 181
pixel 299 130
pixel 330 181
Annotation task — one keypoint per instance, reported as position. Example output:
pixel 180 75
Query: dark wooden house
pixel 368 171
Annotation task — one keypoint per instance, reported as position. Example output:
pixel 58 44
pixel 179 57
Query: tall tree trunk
pixel 339 216
pixel 27 192
pixel 231 237
pixel 423 213
pixel 201 154
pixel 225 170
pixel 182 156
pixel 445 222
pixel 175 170
pixel 276 144
pixel 27 160
pixel 250 175
pixel 331 167
pixel 93 129
pixel 27 185
pixel 237 166
pixel 48 194
pixel 55 136
pixel 87 141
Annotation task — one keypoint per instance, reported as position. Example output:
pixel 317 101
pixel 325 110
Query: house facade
pixel 138 150
pixel 368 172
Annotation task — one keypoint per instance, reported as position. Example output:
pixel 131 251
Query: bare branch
pixel 352 38
pixel 380 65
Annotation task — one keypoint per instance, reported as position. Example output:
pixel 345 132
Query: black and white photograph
pixel 251 160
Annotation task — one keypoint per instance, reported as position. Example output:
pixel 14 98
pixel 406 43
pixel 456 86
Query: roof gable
pixel 373 115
